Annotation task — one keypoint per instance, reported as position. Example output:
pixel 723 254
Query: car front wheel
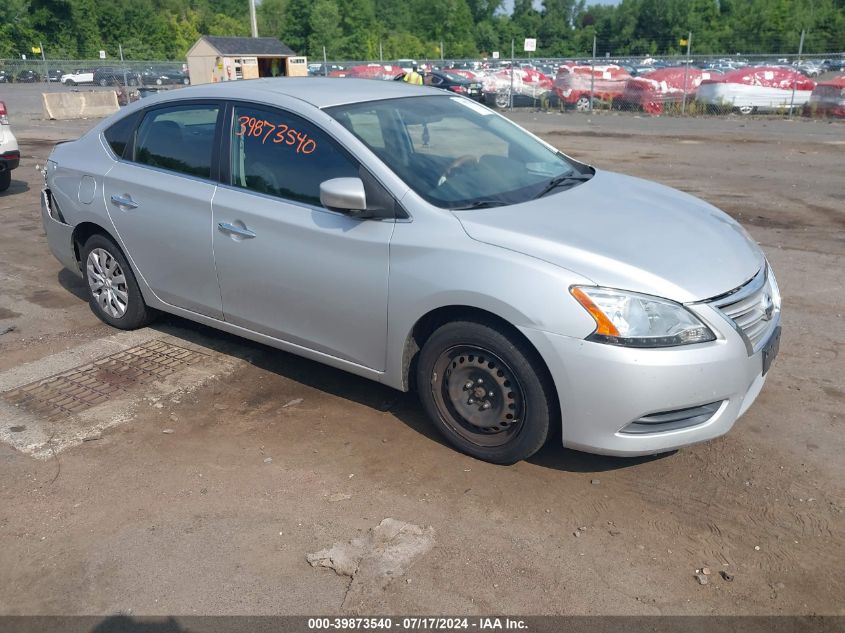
pixel 486 391
pixel 5 179
pixel 113 292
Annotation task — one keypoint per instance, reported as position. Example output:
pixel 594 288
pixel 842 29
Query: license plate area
pixel 770 350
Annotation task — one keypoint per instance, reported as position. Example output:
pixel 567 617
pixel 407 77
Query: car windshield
pixel 455 78
pixel 456 153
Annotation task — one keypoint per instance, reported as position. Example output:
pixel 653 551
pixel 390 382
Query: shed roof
pixel 248 45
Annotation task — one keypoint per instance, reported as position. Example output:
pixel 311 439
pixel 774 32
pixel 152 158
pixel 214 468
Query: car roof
pixel 320 92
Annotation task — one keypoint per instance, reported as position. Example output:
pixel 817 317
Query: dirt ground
pixel 268 457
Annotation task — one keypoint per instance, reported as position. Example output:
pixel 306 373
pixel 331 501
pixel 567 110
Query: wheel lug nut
pixel 486 405
pixel 490 393
pixel 480 381
pixel 471 401
pixel 468 385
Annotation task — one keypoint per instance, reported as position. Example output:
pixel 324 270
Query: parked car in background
pixel 421 240
pixel 4 78
pixel 833 65
pixel 28 76
pixel 756 89
pixel 55 74
pixel 10 155
pixel 827 98
pixel 110 75
pixel 455 83
pixel 163 76
pixel 78 77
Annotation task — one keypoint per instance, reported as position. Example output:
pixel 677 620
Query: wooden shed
pixel 213 59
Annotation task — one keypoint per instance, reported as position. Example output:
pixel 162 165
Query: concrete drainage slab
pixel 56 402
pixel 82 388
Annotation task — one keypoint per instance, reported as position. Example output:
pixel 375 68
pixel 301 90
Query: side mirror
pixel 345 195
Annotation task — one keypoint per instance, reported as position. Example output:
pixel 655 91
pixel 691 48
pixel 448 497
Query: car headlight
pixel 634 320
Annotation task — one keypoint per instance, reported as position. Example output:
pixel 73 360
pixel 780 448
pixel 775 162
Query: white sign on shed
pixel 530 44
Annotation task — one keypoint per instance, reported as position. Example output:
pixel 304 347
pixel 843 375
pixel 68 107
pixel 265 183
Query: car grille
pixel 752 308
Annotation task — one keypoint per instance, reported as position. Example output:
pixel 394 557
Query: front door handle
pixel 234 229
pixel 124 201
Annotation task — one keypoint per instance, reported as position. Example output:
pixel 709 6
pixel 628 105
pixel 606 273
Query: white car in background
pixel 78 77
pixel 10 155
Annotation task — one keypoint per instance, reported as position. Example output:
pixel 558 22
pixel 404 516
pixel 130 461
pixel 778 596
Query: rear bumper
pixel 59 235
pixel 10 160
pixel 603 389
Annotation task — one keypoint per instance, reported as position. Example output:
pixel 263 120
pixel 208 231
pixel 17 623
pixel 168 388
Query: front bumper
pixel 603 389
pixel 59 234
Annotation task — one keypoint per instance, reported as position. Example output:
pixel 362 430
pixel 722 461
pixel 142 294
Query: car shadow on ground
pixel 74 284
pixel 405 407
pixel 17 186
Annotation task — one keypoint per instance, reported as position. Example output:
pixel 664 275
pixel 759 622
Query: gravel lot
pixel 203 492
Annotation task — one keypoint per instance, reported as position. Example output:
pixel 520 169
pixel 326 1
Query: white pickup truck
pixel 10 155
pixel 78 77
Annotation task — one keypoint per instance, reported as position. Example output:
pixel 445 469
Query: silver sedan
pixel 419 239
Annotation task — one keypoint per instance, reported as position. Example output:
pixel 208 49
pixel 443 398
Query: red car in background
pixel 653 91
pixel 828 98
pixel 573 84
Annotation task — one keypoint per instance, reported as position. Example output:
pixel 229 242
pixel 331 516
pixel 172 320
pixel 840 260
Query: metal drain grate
pixel 87 386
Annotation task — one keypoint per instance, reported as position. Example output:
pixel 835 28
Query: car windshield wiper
pixel 480 204
pixel 559 181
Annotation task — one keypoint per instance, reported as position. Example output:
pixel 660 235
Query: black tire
pixel 5 179
pixel 104 82
pixel 136 314
pixel 70 82
pixel 477 369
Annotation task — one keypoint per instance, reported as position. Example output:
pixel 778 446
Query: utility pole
pixel 794 81
pixel 592 74
pixel 686 73
pixel 380 52
pixel 325 64
pixel 441 50
pixel 513 70
pixel 44 59
pixel 120 48
pixel 252 21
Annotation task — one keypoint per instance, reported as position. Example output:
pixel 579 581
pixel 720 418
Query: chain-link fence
pixel 679 85
pixel 80 72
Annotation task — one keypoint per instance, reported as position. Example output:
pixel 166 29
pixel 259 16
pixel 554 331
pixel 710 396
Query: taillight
pixel 459 89
pixel 3 118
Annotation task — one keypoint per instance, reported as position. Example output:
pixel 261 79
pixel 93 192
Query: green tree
pixel 325 28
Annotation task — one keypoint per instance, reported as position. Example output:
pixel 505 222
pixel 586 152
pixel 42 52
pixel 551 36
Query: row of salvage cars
pixel 749 90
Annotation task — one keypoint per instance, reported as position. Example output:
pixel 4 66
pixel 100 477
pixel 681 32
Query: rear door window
pixel 179 138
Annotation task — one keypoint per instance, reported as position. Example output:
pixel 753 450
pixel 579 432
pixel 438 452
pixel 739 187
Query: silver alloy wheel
pixel 107 283
pixel 583 104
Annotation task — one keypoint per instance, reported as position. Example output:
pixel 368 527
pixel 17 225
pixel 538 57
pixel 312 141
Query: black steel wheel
pixel 478 393
pixel 486 390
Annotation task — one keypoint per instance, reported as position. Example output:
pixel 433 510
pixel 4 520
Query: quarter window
pixel 280 154
pixel 117 136
pixel 180 139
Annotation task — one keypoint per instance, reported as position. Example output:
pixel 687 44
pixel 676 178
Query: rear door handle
pixel 234 229
pixel 124 201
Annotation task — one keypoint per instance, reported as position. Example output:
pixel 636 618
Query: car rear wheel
pixel 5 179
pixel 113 292
pixel 746 109
pixel 486 391
pixel 583 104
pixel 70 82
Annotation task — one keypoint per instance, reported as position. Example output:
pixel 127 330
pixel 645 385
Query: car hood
pixel 627 233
